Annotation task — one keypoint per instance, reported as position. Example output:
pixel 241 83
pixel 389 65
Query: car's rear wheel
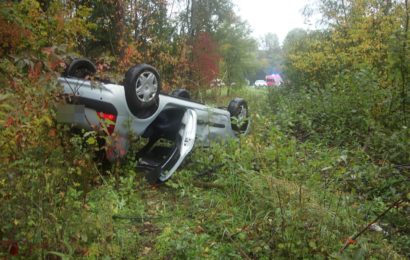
pixel 81 68
pixel 181 93
pixel 240 120
pixel 142 86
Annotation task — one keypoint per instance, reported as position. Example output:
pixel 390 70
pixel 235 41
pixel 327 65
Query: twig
pixel 281 212
pixel 135 218
pixel 201 184
pixel 209 170
pixel 243 253
pixel 352 240
pixel 402 167
pixel 140 219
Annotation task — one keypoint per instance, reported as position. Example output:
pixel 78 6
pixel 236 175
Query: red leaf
pixel 14 249
pixel 205 57
pixel 10 122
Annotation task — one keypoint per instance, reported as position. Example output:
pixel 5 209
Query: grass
pixel 263 196
pixel 271 198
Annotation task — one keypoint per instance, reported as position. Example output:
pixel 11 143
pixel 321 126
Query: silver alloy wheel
pixel 146 86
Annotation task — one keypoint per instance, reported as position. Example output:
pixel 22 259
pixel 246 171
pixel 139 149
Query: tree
pixel 205 58
pixel 368 38
pixel 207 15
pixel 109 31
pixel 271 52
pixel 238 51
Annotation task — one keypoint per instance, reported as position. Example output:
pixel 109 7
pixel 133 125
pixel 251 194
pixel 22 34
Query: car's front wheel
pixel 142 86
pixel 240 120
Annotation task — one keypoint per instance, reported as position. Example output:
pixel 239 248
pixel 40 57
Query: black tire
pixel 142 86
pixel 80 68
pixel 240 121
pixel 181 93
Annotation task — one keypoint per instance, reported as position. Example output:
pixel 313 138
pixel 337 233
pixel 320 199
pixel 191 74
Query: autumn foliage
pixel 11 35
pixel 205 58
pixel 326 152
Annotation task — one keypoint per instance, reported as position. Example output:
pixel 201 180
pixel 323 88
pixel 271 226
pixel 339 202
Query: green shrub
pixel 360 117
pixel 353 110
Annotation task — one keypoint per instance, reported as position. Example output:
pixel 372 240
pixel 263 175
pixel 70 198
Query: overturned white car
pixel 138 108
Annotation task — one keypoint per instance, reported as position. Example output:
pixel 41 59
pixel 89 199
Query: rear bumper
pixel 82 112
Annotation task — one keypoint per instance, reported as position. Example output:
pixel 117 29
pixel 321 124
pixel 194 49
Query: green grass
pixel 272 197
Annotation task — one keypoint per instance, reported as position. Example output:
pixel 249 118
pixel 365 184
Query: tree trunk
pixel 119 25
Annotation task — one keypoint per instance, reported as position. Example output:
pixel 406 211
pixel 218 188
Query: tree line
pixel 191 42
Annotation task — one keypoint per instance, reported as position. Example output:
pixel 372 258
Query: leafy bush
pixel 269 195
pixel 353 114
pixel 353 110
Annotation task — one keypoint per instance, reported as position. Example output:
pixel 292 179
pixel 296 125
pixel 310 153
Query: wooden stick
pixel 352 240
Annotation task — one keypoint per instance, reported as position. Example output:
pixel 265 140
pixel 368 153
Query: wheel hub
pixel 146 86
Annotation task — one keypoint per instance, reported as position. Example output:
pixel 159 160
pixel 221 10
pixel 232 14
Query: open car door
pixel 159 161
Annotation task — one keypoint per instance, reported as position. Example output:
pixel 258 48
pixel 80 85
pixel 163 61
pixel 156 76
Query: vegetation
pixel 328 152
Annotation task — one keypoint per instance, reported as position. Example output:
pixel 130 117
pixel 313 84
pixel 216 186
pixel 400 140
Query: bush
pixel 352 110
pixel 356 115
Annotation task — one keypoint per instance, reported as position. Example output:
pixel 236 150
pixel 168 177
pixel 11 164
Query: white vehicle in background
pixel 260 84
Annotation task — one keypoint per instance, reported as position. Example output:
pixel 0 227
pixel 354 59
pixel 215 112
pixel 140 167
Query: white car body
pixel 106 107
pixel 260 83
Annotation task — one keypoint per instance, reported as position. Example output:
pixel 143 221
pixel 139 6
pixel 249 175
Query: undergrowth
pixel 267 195
pixel 323 160
pixel 362 120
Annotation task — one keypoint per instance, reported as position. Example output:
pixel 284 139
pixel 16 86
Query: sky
pixel 275 16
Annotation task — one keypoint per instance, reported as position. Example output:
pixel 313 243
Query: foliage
pixel 269 57
pixel 238 51
pixel 205 58
pixel 347 88
pixel 172 36
pixel 320 163
pixel 350 79
pixel 361 35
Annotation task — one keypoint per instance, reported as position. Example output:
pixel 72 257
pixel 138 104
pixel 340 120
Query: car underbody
pixel 171 124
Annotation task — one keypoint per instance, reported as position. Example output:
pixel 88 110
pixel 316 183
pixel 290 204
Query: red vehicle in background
pixel 273 80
